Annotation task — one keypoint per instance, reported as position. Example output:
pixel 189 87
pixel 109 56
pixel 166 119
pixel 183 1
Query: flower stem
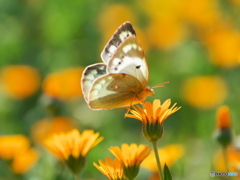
pixel 77 177
pixel 225 158
pixel 154 143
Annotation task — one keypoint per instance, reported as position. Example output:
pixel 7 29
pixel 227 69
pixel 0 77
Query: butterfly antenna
pixel 160 85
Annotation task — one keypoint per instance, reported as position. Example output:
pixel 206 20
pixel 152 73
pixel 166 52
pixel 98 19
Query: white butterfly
pixel 121 80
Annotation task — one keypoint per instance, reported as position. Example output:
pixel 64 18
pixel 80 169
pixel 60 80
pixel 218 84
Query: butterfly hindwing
pixel 113 90
pixel 90 74
pixel 124 31
pixel 129 59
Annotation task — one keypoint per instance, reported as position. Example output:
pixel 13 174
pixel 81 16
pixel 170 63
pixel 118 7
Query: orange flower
pixel 42 129
pixel 72 147
pixel 24 161
pixel 205 91
pixel 202 13
pixel 223 118
pixel 112 169
pixel 164 29
pixel 223 132
pixel 16 148
pixel 12 145
pixel 115 14
pixel 169 155
pixel 20 81
pixel 152 117
pixel 223 43
pixel 64 84
pixel 153 113
pixel 131 156
pixel 165 33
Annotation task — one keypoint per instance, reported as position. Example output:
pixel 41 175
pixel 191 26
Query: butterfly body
pixel 121 80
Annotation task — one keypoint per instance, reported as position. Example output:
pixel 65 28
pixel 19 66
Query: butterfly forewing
pixel 114 90
pixel 129 59
pixel 90 74
pixel 124 31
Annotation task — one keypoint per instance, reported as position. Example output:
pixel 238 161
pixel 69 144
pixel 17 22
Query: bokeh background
pixel 46 44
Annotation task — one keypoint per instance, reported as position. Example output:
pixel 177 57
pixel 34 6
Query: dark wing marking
pixel 130 59
pixel 124 31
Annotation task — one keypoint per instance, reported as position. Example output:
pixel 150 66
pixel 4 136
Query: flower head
pixel 16 149
pixel 46 127
pixel 131 156
pixel 64 84
pixel 215 93
pixel 223 133
pixel 153 116
pixel 112 169
pixel 20 81
pixel 72 147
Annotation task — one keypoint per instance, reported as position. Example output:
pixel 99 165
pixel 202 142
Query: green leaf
pixel 167 174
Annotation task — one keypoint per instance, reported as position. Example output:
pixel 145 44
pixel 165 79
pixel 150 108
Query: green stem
pixel 157 159
pixel 77 177
pixel 225 158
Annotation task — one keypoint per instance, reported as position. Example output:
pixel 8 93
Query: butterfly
pixel 121 80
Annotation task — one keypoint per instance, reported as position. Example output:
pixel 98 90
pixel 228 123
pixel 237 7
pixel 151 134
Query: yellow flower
pixel 153 116
pixel 112 169
pixel 205 91
pixel 72 147
pixel 42 129
pixel 233 159
pixel 169 155
pixel 115 14
pixel 223 43
pixel 24 161
pixel 20 81
pixel 201 14
pixel 223 132
pixel 165 33
pixel 131 156
pixel 64 84
pixel 164 29
pixel 16 150
pixel 12 145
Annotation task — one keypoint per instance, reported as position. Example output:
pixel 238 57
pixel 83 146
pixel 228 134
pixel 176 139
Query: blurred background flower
pixel 168 154
pixel 63 85
pixel 19 81
pixel 46 127
pixel 16 150
pixel 205 91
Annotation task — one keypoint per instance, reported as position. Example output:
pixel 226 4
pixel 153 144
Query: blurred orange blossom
pixel 205 91
pixel 64 84
pixel 19 81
